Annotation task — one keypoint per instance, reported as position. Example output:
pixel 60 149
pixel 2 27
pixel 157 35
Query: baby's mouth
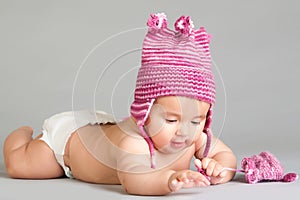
pixel 178 145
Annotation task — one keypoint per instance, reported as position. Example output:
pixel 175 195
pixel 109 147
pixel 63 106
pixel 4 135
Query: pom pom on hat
pixel 184 25
pixel 157 21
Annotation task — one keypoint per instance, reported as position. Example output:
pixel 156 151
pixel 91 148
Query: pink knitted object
pixel 174 63
pixel 262 167
pixel 265 167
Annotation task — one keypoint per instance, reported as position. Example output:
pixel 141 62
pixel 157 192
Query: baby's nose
pixel 183 130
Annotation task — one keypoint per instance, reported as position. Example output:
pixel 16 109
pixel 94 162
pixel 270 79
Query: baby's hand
pixel 214 170
pixel 187 179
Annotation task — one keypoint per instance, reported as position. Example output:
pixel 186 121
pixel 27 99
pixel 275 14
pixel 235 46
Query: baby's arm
pixel 161 182
pixel 219 157
pixel 137 177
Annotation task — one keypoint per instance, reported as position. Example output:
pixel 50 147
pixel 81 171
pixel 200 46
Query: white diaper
pixel 58 128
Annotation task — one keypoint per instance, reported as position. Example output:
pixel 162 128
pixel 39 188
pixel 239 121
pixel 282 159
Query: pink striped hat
pixel 174 63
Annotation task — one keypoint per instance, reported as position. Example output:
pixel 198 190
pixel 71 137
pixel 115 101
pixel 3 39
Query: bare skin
pixel 33 159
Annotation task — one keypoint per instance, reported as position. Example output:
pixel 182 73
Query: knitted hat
pixel 265 167
pixel 174 63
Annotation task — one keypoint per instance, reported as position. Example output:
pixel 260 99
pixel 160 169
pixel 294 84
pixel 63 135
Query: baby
pixel 150 152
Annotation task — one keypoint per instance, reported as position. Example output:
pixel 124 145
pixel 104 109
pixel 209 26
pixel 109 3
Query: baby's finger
pixel 190 184
pixel 197 177
pixel 201 184
pixel 183 177
pixel 210 168
pixel 223 173
pixel 216 180
pixel 198 163
pixel 205 162
pixel 176 185
pixel 217 170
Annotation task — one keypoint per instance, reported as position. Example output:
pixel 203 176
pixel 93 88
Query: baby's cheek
pixel 161 140
pixel 155 126
pixel 163 135
pixel 195 133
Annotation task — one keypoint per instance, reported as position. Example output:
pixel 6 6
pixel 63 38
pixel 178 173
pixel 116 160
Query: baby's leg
pixel 29 158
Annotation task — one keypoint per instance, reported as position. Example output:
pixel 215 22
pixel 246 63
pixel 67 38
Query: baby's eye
pixel 196 122
pixel 171 120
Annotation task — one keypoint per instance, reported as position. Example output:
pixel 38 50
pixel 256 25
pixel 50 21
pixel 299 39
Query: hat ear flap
pixel 207 131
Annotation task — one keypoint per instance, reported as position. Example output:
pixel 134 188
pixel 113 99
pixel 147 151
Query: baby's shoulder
pixel 131 140
pixel 133 143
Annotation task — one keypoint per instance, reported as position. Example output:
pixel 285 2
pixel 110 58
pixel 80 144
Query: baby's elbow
pixel 127 186
pixel 131 189
pixel 127 190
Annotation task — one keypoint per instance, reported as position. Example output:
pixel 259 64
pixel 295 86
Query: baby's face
pixel 175 122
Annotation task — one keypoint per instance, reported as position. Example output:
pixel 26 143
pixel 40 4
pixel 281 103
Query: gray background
pixel 64 55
